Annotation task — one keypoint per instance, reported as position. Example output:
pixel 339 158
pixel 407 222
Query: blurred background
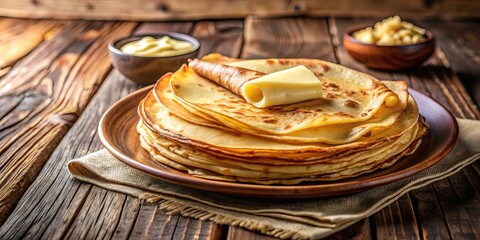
pixel 214 9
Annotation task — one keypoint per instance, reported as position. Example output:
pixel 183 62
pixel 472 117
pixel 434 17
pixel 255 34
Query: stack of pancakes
pixel 361 124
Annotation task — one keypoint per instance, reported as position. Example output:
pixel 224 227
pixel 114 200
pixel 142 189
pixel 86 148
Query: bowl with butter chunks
pixel 145 58
pixel 391 44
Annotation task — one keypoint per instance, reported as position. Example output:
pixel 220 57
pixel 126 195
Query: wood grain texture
pixel 459 41
pixel 225 37
pixel 397 221
pixel 43 95
pixel 287 37
pixel 20 36
pixel 208 9
pixel 63 204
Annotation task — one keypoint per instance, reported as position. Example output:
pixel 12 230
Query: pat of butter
pixel 288 86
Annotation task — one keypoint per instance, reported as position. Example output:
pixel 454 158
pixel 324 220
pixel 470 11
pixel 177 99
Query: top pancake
pixel 349 97
pixel 340 134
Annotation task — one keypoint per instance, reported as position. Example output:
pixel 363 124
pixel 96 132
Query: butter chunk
pixel 288 86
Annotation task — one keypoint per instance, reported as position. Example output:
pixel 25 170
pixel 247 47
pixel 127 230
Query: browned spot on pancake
pixel 239 112
pixel 169 90
pixel 176 86
pixel 226 106
pixel 342 114
pixel 330 95
pixel 363 92
pixel 363 114
pixel 318 110
pixel 333 85
pixel 270 61
pixel 370 109
pixel 283 62
pixel 368 134
pixel 270 121
pixel 169 114
pixel 287 127
pixel 351 104
pixel 325 67
pixel 350 93
pixel 200 85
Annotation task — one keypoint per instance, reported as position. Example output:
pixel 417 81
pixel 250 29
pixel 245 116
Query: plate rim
pixel 270 191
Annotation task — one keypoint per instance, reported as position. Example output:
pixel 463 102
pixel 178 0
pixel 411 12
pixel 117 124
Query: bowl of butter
pixel 391 44
pixel 145 58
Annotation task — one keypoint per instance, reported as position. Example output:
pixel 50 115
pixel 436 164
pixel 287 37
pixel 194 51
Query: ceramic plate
pixel 117 133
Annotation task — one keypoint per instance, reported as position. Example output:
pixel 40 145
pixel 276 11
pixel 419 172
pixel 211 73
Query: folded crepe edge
pixel 229 77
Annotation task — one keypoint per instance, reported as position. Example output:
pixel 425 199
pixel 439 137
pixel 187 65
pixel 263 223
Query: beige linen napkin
pixel 297 219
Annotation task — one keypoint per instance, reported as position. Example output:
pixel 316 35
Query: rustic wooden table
pixel 56 81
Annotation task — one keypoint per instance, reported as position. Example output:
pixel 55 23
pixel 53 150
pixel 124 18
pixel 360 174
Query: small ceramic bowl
pixel 147 70
pixel 389 57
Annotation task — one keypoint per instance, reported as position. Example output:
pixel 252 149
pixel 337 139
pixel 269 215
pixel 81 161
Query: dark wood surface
pixel 56 81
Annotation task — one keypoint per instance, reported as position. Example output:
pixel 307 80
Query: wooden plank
pixel 459 42
pixel 53 202
pixel 189 228
pixel 225 37
pixel 460 206
pixel 287 37
pixel 20 36
pixel 241 233
pixel 45 93
pixel 429 214
pixel 208 9
pixel 397 221
pixel 157 27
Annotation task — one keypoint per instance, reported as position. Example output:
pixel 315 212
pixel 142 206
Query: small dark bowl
pixel 389 57
pixel 147 70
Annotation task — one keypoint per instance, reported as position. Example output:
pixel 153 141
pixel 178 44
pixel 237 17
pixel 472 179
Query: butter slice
pixel 288 86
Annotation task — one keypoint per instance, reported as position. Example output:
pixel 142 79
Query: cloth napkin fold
pixel 297 219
